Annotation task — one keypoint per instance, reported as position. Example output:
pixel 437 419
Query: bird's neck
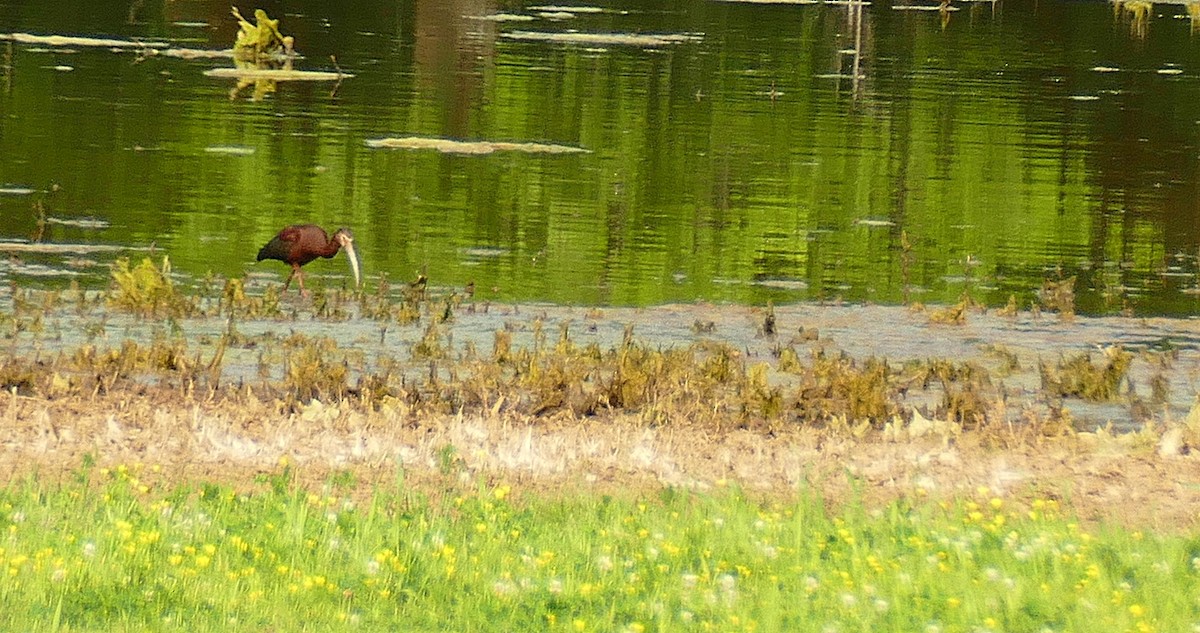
pixel 331 248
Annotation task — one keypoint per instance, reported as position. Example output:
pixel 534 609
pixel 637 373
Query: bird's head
pixel 345 239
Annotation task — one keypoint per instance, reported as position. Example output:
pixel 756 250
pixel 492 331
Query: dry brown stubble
pixel 1124 480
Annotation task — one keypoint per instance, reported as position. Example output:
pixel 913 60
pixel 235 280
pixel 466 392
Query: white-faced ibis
pixel 301 243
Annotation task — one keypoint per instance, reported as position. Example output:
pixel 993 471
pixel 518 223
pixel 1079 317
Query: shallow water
pixel 1009 349
pixel 743 159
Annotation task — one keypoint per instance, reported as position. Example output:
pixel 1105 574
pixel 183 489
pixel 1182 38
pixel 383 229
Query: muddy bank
pixel 1135 479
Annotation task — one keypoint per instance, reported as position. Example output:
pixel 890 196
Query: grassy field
pixel 105 551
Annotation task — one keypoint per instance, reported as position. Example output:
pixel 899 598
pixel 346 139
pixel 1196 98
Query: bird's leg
pixel 295 270
pixel 300 278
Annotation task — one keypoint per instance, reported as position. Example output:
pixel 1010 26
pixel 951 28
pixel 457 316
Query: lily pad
pixel 448 146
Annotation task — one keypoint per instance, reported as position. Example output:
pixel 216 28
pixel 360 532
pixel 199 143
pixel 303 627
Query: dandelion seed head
pixel 727 582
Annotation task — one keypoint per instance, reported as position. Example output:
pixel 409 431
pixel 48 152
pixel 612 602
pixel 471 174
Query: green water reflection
pixel 1018 142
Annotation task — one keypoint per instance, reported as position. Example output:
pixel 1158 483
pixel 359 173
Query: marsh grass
pixel 1077 375
pixel 114 549
pixel 708 383
pixel 529 371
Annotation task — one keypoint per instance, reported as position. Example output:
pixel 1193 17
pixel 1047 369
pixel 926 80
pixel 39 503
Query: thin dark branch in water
pixel 340 74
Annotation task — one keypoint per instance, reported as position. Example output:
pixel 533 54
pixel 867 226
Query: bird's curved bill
pixel 352 255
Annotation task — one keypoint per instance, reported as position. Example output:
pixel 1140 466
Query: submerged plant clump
pixel 1078 376
pixel 147 290
pixel 417 363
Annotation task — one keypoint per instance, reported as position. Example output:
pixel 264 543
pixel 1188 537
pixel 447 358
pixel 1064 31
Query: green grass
pixel 108 552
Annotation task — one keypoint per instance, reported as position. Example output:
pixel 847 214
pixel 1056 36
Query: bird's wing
pixel 280 246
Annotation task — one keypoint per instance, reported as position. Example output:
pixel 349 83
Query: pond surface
pixel 786 152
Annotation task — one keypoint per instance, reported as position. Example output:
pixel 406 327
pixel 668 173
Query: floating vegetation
pixel 262 57
pixel 448 146
pixel 261 39
pixel 645 40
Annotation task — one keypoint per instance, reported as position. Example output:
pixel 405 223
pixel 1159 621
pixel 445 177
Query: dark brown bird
pixel 301 243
